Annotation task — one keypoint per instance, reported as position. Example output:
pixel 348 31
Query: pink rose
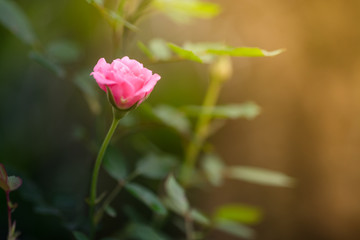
pixel 129 82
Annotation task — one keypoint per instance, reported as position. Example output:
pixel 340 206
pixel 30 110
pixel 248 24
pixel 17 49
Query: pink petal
pixel 102 81
pixel 101 65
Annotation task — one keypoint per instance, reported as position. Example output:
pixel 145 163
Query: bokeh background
pixel 309 127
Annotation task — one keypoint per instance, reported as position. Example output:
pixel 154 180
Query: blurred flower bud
pixel 222 69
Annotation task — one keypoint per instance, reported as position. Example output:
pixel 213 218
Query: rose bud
pixel 125 80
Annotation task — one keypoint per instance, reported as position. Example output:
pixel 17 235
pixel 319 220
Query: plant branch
pixel 189 230
pixel 9 214
pixel 96 170
pixel 201 130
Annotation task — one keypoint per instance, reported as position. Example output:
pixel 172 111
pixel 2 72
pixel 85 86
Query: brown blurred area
pixel 310 122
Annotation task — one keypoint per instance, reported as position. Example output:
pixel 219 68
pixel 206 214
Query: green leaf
pixel 156 166
pixel 145 50
pixel 110 211
pixel 235 229
pixel 175 199
pixel 97 2
pixel 115 165
pixel 13 18
pixel 248 110
pixel 159 49
pixel 200 49
pixel 199 217
pixel 14 182
pixel 45 209
pixel 112 17
pixel 142 232
pixel 80 236
pixel 185 54
pixel 133 214
pixel 63 51
pixel 119 19
pixel 259 176
pixel 89 88
pixel 238 213
pixel 47 63
pixel 172 118
pixel 245 52
pixel 183 10
pixel 213 168
pixel 147 197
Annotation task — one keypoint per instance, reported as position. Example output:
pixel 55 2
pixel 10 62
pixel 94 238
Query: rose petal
pixel 102 81
pixel 101 65
pixel 122 92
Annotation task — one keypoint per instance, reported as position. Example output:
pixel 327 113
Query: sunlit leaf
pixel 110 211
pixel 112 17
pixel 172 118
pixel 235 229
pixel 183 53
pixel 14 182
pixel 200 49
pixel 80 236
pixel 213 168
pixel 183 10
pixel 115 165
pixel 98 2
pixel 159 49
pixel 13 18
pixel 175 199
pixel 63 51
pixel 142 232
pixel 147 197
pixel 199 217
pixel 248 110
pixel 156 166
pixel 259 176
pixel 238 213
pixel 145 49
pixel 117 18
pixel 47 63
pixel 245 52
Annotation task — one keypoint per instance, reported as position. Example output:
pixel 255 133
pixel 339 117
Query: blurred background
pixel 309 127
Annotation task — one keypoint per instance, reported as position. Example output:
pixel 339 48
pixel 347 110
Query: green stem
pixel 112 196
pixel 95 175
pixel 9 214
pixel 201 130
pixel 107 201
pixel 189 230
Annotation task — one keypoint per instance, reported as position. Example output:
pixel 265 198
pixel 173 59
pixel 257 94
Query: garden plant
pixel 154 189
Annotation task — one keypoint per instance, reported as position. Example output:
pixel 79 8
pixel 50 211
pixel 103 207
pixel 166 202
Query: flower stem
pixel 189 230
pixel 100 212
pixel 9 213
pixel 96 170
pixel 201 130
pixel 107 202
